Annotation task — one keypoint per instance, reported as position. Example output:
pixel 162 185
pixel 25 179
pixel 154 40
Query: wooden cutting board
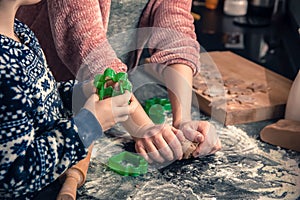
pixel 234 90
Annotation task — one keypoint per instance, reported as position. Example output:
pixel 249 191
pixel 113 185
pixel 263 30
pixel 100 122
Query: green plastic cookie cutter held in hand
pixel 128 164
pixel 109 74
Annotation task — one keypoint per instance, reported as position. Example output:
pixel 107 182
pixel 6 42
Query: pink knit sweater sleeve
pixel 79 28
pixel 173 41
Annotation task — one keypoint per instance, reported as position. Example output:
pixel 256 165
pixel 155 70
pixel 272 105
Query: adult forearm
pixel 178 80
pixel 137 120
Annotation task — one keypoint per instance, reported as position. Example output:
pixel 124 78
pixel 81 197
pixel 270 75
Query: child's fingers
pixel 122 99
pixel 95 97
pixel 92 100
pixel 121 118
pixel 121 111
pixel 133 104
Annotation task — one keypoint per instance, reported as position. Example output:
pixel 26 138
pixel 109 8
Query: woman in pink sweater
pixel 78 34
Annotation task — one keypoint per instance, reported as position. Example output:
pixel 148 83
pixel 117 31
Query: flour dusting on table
pixel 245 168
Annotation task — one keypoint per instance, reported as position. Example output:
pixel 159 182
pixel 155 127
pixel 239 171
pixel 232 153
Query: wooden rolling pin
pixel 75 178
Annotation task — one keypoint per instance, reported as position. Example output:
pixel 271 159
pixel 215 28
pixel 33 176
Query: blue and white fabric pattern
pixel 39 140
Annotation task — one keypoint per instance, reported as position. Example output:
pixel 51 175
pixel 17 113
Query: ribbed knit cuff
pixel 89 128
pixel 101 57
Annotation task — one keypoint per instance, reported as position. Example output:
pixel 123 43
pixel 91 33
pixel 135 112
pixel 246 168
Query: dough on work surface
pixel 188 148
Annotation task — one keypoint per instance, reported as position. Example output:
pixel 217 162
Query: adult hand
pixel 158 143
pixel 205 134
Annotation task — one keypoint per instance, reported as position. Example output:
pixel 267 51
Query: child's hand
pixel 158 143
pixel 205 134
pixel 81 92
pixel 111 110
pixel 88 88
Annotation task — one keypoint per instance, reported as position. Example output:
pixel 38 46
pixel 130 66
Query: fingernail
pixel 199 138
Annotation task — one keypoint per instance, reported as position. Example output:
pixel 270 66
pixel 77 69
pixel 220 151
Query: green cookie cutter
pixel 156 107
pixel 109 74
pixel 128 164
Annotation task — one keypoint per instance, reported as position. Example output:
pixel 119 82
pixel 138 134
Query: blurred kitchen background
pixel 264 31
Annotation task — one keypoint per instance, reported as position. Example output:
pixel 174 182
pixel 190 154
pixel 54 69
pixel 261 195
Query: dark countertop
pixel 275 46
pixel 245 168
